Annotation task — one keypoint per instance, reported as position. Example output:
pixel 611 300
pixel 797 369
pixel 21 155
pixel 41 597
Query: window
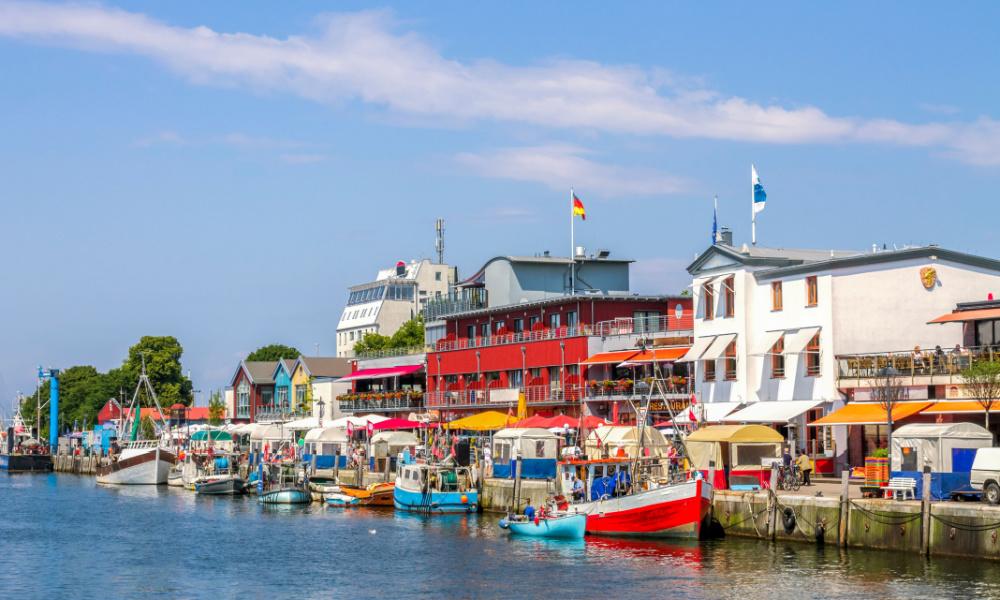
pixel 709 370
pixel 500 326
pixel 729 289
pixel 470 332
pixel 571 319
pixel 756 454
pixel 778 359
pixel 645 321
pixel 539 448
pixel 300 395
pixel 437 276
pixel 708 300
pixel 555 320
pixel 812 293
pixel 282 398
pixel 243 400
pixel 730 360
pixel 812 356
pixel 267 398
pixel 518 325
pixel 515 378
pixel 484 331
pixel 532 321
pixel 776 300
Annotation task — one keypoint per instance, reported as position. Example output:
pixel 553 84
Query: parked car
pixel 985 476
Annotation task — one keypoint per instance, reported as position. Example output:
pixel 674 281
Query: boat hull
pixel 227 486
pixel 435 502
pixel 378 494
pixel 319 489
pixel 25 463
pixel 285 496
pixel 175 478
pixel 673 511
pixel 341 500
pixel 565 527
pixel 148 468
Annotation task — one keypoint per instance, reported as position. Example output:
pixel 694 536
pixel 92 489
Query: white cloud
pixel 363 57
pixel 561 166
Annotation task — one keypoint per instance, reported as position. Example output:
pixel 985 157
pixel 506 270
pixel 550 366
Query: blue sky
pixel 222 171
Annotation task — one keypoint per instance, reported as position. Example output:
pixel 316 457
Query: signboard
pixel 508 395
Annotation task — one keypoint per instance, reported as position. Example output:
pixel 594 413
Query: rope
pixel 886 518
pixel 966 526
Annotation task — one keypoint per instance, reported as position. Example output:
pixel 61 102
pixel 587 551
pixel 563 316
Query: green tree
pixel 410 335
pixel 372 342
pixel 982 380
pixel 274 352
pixel 216 408
pixel 83 390
pixel 147 429
pixel 163 366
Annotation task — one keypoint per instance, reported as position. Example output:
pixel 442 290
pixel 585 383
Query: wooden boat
pixel 288 495
pixel 564 526
pixel 224 485
pixel 140 463
pixel 341 500
pixel 175 478
pixel 320 486
pixel 435 489
pixel 376 494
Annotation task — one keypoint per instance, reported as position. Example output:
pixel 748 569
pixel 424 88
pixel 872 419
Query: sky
pixel 222 171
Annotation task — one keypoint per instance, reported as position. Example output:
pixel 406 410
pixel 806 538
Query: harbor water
pixel 64 536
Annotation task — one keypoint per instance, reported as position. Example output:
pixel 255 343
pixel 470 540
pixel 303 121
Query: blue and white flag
pixel 715 222
pixel 759 196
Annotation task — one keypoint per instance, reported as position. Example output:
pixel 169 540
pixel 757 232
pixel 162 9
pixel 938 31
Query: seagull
pixel 371 531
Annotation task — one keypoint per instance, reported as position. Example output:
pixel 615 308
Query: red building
pixel 253 390
pixel 489 357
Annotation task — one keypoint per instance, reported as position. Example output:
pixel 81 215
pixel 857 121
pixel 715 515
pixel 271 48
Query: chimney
pixel 725 236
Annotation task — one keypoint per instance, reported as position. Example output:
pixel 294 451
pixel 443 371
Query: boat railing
pixel 140 444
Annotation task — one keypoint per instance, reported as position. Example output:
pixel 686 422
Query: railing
pixel 514 338
pixel 642 325
pixel 436 308
pixel 387 401
pixel 907 363
pixel 503 397
pixel 624 388
pixel 268 414
pixel 385 352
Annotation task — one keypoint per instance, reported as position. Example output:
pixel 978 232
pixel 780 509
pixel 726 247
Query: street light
pixel 320 404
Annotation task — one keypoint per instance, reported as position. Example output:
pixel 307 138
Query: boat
pixel 21 453
pixel 320 486
pixel 141 462
pixel 565 526
pixel 290 495
pixel 175 477
pixel 375 494
pixel 221 485
pixel 435 489
pixel 341 500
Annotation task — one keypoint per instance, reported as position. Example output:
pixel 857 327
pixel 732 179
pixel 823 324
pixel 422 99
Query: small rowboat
pixel 285 496
pixel 341 500
pixel 568 526
pixel 376 494
pixel 229 485
pixel 320 486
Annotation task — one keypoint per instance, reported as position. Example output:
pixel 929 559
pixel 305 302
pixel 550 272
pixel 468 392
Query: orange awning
pixel 869 413
pixel 951 407
pixel 968 315
pixel 634 356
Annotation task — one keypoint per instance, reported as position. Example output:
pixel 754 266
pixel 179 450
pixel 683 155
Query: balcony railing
pixel 385 352
pixel 907 363
pixel 274 414
pixel 503 397
pixel 641 326
pixel 437 308
pixel 514 338
pixel 627 389
pixel 381 401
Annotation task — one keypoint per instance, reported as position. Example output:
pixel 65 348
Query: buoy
pixel 464 498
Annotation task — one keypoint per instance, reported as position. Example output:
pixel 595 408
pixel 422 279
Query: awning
pixel 957 316
pixel 715 412
pixel 796 342
pixel 490 420
pixel 869 413
pixel 781 411
pixel 759 434
pixel 718 346
pixel 395 424
pixel 768 340
pixel 635 356
pixel 610 358
pixel 957 407
pixel 697 349
pixel 382 373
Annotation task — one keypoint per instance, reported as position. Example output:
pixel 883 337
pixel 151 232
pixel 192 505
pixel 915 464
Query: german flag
pixel 578 208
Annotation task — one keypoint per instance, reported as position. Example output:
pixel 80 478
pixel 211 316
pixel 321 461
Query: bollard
pixel 845 499
pixel 925 512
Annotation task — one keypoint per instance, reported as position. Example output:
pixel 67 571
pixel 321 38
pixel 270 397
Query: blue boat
pixel 569 526
pixel 341 500
pixel 285 496
pixel 435 489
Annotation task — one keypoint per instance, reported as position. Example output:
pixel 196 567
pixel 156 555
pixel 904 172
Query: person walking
pixel 805 466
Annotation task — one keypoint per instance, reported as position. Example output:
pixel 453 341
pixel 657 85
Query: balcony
pixel 926 369
pixel 470 299
pixel 401 401
pixel 276 414
pixel 535 395
pixel 673 388
pixel 643 326
pixel 502 339
pixel 387 352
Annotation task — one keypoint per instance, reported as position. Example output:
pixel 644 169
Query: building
pixel 490 357
pixel 771 326
pixel 253 387
pixel 390 385
pixel 322 371
pixel 282 377
pixel 393 298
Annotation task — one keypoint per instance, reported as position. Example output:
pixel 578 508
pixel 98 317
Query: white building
pixel 770 323
pixel 393 298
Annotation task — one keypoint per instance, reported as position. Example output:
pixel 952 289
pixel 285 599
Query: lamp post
pixel 320 404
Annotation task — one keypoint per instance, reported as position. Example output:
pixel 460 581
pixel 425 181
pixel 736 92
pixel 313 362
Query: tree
pixel 274 352
pixel 216 409
pixel 163 366
pixel 372 342
pixel 409 335
pixel 147 428
pixel 887 391
pixel 982 380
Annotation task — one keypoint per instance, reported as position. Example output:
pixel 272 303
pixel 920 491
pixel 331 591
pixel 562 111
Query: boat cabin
pixel 423 478
pixel 618 441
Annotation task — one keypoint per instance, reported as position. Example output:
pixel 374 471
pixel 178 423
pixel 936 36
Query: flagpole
pixel 572 245
pixel 753 213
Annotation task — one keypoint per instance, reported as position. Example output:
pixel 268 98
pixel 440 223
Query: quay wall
pixel 497 495
pixel 79 465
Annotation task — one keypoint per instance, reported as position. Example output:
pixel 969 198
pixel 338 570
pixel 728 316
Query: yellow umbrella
pixel 485 421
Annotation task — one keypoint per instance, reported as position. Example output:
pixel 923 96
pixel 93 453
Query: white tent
pixel 303 424
pixel 270 432
pixel 326 440
pixel 936 445
pixel 615 440
pixel 389 443
pixel 356 422
pixel 532 441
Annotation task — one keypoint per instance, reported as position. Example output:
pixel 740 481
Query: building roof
pixel 324 366
pixel 259 372
pixel 795 262
pixel 476 278
pixel 623 297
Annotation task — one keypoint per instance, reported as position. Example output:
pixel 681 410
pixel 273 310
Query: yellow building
pixel 309 368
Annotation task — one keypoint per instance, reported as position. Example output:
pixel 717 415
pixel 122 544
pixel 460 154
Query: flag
pixel 371 428
pixel 759 196
pixel 691 415
pixel 350 429
pixel 715 221
pixel 578 208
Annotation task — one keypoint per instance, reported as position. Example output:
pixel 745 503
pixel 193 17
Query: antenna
pixel 439 239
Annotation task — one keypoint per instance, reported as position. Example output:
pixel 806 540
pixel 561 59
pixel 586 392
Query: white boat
pixel 175 478
pixel 140 463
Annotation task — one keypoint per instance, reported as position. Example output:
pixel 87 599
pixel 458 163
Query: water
pixel 65 536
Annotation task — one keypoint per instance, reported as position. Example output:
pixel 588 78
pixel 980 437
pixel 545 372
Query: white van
pixel 985 475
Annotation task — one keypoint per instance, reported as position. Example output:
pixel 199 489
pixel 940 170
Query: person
pixel 487 461
pixel 577 489
pixel 956 357
pixel 918 358
pixel 786 458
pixel 529 511
pixel 939 358
pixel 804 465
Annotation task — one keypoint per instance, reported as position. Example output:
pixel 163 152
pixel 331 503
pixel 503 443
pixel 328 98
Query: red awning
pixel 635 356
pixel 394 424
pixel 382 373
pixel 957 316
